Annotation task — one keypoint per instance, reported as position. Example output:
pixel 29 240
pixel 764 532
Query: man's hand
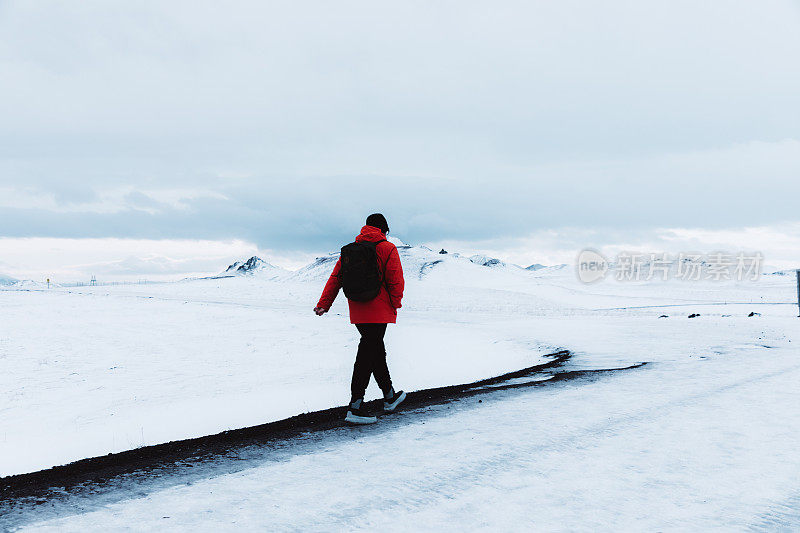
pixel 320 311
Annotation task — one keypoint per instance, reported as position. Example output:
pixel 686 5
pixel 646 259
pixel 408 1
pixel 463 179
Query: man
pixel 369 311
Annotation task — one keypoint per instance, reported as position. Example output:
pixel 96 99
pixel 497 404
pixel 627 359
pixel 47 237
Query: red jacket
pixel 383 309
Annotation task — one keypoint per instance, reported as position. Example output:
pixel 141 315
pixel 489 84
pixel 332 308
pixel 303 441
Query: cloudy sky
pixel 164 138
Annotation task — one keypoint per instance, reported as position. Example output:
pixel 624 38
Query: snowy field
pixel 706 435
pixel 107 369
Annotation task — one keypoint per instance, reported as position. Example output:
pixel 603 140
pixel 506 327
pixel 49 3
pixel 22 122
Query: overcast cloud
pixel 284 124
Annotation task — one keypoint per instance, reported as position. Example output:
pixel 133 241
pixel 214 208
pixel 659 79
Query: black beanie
pixel 378 221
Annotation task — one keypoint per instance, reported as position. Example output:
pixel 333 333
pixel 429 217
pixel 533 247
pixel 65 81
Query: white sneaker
pixel 390 404
pixel 358 416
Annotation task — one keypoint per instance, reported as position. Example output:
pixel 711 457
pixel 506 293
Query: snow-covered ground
pixel 696 445
pixel 704 436
pixel 110 368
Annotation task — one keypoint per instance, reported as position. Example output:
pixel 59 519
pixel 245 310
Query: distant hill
pixel 419 262
pixel 483 260
pixel 28 284
pixel 255 266
pixel 7 280
pixel 535 266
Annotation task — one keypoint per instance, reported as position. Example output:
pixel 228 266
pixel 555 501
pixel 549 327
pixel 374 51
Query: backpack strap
pixel 383 272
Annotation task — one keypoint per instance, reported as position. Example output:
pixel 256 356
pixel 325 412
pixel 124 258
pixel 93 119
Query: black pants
pixel 370 360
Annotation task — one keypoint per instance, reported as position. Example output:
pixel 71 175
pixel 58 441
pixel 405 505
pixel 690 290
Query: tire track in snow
pixel 781 516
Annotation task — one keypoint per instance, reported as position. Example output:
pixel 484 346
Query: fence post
pixel 798 290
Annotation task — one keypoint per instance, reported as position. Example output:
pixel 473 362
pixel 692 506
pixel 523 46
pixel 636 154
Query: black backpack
pixel 360 274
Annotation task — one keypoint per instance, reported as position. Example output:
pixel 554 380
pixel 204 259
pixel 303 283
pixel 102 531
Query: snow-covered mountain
pixel 771 271
pixel 535 266
pixel 419 262
pixel 552 270
pixel 7 280
pixel 29 284
pixel 255 266
pixel 486 261
pixel 320 269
